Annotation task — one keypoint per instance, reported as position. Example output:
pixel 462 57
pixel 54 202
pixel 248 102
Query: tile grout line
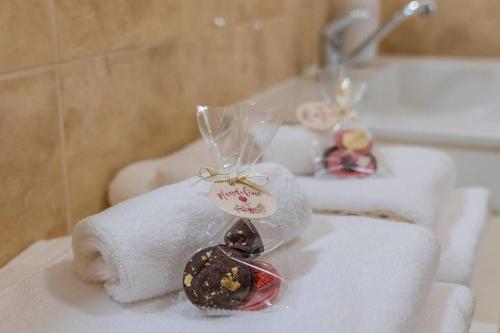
pixel 133 47
pixel 26 71
pixel 57 66
pixel 60 107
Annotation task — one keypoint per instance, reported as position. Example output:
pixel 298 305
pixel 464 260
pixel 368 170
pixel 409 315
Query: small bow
pixel 344 99
pixel 216 176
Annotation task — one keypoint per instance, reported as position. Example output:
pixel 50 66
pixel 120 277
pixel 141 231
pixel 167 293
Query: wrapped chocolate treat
pixel 234 272
pixel 349 150
pixel 229 276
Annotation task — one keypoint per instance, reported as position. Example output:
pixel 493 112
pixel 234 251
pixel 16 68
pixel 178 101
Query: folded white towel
pixel 349 276
pixel 139 247
pixel 449 309
pixel 459 228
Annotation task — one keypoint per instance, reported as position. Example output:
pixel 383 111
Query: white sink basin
pixel 435 100
pixel 446 103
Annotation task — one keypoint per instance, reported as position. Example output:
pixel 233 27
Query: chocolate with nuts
pixel 217 277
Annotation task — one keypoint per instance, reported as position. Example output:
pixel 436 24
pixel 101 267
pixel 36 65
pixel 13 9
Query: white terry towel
pixel 293 147
pixel 139 247
pixel 459 220
pixel 459 229
pixel 420 183
pixel 144 176
pixel 349 276
pixel 448 309
pixel 417 181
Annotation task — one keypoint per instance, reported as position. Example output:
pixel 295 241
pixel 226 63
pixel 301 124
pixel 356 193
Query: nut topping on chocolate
pixel 218 277
pixel 187 280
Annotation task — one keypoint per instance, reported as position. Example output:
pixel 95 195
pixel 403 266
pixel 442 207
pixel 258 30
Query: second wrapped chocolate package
pixel 343 147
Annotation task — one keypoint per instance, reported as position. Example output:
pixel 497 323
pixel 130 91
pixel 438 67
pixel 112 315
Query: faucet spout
pixel 413 8
pixel 332 33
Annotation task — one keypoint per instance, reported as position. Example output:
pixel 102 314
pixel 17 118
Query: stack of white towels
pixel 359 273
pixel 419 188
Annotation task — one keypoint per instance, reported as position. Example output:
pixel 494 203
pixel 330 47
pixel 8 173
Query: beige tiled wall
pixel 459 28
pixel 88 86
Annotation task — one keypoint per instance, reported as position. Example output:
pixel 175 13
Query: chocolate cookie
pixel 244 236
pixel 217 277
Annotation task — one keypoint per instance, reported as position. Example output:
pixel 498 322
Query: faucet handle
pixel 422 7
pixel 331 42
pixel 335 26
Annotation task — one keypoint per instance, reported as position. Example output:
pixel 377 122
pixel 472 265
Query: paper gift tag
pixel 316 116
pixel 242 200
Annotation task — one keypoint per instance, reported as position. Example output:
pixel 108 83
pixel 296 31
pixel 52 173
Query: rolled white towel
pixel 144 176
pixel 293 147
pixel 419 184
pixel 140 178
pixel 139 247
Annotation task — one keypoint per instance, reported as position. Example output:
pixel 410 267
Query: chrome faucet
pixel 332 35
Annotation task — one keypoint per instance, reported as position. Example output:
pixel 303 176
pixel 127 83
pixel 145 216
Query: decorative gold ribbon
pixel 344 99
pixel 216 176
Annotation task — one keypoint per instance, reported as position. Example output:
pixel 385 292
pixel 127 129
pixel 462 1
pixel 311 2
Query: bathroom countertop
pixel 486 277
